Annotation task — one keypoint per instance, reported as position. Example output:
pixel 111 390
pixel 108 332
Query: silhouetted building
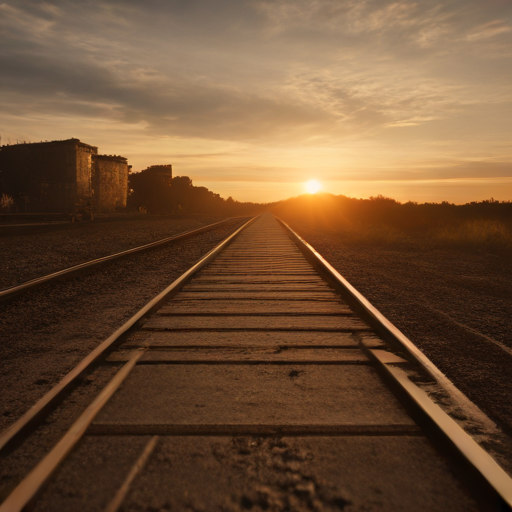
pixel 47 176
pixel 61 176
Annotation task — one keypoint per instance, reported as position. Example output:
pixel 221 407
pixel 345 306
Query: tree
pixel 181 194
pixel 149 190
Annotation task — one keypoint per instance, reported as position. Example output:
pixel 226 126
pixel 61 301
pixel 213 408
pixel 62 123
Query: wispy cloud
pixel 491 29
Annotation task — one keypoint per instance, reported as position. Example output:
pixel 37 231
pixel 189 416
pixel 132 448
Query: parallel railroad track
pixel 251 383
pixel 12 291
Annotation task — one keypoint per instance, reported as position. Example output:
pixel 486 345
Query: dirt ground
pixel 51 327
pixel 454 304
pixel 30 252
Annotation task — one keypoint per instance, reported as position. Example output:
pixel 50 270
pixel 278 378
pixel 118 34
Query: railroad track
pixel 10 292
pixel 260 380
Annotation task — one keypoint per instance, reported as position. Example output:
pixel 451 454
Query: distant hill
pixel 328 211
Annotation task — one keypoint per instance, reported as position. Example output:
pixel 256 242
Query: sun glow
pixel 313 186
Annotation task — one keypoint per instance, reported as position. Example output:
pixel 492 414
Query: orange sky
pixel 409 99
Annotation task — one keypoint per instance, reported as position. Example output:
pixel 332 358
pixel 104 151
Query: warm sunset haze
pixel 313 186
pixel 408 99
pixel 255 255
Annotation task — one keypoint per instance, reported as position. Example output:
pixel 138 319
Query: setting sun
pixel 313 186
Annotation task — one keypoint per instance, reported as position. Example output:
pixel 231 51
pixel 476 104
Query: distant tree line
pixel 154 193
pixel 330 211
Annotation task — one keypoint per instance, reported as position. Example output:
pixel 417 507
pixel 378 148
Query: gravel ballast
pixel 30 252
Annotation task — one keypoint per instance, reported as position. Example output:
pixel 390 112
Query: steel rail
pixel 28 489
pixel 14 290
pixel 46 404
pixel 123 491
pixel 479 461
pixel 386 329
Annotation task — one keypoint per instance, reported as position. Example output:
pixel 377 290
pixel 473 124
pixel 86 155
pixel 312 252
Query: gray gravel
pixel 454 305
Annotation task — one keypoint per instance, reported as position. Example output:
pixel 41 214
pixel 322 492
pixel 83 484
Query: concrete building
pixel 109 183
pixel 62 176
pixel 47 176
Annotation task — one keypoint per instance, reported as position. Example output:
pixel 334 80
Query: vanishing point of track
pixel 260 379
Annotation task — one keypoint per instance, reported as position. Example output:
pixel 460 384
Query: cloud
pixel 418 23
pixel 492 29
pixel 439 172
pixel 400 30
pixel 182 106
pixel 394 82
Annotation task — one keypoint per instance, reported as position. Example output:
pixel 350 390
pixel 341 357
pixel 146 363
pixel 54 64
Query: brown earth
pixel 258 473
pixel 454 304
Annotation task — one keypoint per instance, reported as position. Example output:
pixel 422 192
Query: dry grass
pixel 473 235
pixel 476 234
pixel 479 235
pixel 484 226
